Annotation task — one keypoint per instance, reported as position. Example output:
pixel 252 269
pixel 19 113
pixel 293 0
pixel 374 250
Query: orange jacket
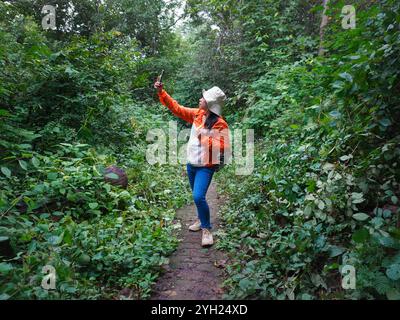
pixel 205 147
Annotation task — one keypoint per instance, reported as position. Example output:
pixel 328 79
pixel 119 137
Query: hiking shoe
pixel 196 226
pixel 207 238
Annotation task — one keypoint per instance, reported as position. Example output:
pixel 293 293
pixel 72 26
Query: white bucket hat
pixel 215 98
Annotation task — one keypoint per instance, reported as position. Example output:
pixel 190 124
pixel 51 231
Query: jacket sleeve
pixel 186 114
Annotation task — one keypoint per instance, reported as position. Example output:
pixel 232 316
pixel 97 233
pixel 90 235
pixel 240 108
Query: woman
pixel 208 142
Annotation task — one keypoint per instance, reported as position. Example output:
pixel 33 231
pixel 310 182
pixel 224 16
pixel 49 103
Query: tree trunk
pixel 324 22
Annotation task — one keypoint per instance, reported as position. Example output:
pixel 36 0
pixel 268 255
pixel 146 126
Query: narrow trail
pixel 193 272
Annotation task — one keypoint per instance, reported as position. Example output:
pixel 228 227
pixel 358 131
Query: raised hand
pixel 158 86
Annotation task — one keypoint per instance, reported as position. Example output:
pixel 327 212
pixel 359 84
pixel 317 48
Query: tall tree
pixel 324 22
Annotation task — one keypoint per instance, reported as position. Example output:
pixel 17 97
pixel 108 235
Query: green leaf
pixel 35 162
pixel 381 283
pixel 387 242
pixel 356 195
pixel 335 114
pixel 346 76
pixel 107 187
pixel 387 213
pixel 245 284
pixel 338 85
pixel 385 122
pixel 81 145
pixel 112 175
pixel 313 107
pixel 317 280
pixel 393 294
pixel 5 268
pixel 6 172
pixel 93 205
pixel 306 296
pixel 84 259
pixel 307 211
pixel 55 240
pixel 85 132
pixel 70 71
pixel 360 216
pixel 67 237
pixel 345 158
pixel 23 164
pixel 52 176
pixel 4 113
pixel 335 251
pixel 4 296
pixel 360 235
pixel 393 272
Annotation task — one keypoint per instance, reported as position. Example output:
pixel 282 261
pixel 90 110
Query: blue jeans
pixel 200 179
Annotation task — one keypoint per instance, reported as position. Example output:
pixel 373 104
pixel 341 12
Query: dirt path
pixel 193 272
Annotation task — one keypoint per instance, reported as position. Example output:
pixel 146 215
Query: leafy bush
pixel 66 113
pixel 325 191
pixel 97 236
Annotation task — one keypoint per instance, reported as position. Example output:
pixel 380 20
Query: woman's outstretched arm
pixel 186 114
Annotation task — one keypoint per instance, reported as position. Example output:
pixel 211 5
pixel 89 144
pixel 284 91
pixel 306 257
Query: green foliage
pixel 94 234
pixel 240 40
pixel 66 113
pixel 325 189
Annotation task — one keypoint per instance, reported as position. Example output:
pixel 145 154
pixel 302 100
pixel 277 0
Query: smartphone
pixel 159 78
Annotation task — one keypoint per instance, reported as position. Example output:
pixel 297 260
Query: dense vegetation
pixel 325 192
pixel 69 109
pixel 325 189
